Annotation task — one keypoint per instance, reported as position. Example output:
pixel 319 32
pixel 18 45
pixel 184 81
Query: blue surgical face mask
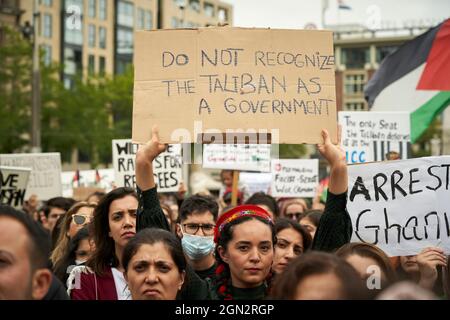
pixel 197 247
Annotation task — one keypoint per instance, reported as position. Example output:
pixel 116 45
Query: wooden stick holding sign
pixel 234 188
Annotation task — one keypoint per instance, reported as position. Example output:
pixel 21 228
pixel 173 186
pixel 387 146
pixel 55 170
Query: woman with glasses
pixel 78 216
pixel 294 209
pixel 311 221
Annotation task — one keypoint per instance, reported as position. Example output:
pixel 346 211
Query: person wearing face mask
pixel 195 228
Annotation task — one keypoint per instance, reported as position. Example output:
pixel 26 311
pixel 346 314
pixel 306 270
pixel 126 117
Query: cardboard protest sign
pixel 45 176
pixel 295 178
pixel 217 81
pixel 13 185
pixel 369 136
pixel 166 167
pixel 245 157
pixel 401 206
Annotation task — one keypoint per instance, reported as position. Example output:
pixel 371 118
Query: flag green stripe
pixel 424 115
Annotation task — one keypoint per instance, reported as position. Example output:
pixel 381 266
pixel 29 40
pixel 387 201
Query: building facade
pixel 97 36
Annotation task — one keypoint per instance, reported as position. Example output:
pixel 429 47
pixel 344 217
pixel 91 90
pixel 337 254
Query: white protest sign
pixel 295 178
pixel 13 185
pixel 368 136
pixel 244 157
pixel 45 177
pixel 166 167
pixel 401 206
pixel 256 181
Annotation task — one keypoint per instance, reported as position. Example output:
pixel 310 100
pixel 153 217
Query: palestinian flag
pixel 415 78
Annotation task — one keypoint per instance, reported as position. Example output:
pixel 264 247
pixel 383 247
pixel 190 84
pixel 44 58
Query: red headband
pixel 239 211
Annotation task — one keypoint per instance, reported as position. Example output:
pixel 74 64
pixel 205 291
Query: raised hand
pixel 428 261
pixel 333 153
pixel 144 158
pixel 150 150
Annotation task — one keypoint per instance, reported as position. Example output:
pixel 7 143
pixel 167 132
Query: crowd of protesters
pixel 138 244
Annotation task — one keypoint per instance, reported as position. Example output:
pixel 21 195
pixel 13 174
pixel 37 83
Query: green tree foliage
pixel 15 91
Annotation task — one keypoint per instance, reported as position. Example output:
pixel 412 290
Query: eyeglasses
pixel 295 216
pixel 192 228
pixel 81 219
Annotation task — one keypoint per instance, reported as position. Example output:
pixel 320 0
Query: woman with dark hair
pixel 292 241
pixel 369 260
pixel 319 276
pixel 311 221
pixel 155 266
pixel 79 249
pixel 245 239
pixel 114 225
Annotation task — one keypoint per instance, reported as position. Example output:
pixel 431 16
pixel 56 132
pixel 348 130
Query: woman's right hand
pixel 428 261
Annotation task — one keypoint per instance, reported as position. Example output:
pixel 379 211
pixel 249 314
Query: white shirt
pixel 123 293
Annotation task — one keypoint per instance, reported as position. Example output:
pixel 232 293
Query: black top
pixel 57 290
pixel 257 293
pixel 150 215
pixel 208 273
pixel 335 226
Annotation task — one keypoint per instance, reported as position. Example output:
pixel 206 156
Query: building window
pixel 91 36
pixel 223 14
pixel 47 3
pixel 208 8
pixel 47 54
pixel 73 26
pixel 102 9
pixel 47 26
pixel 354 83
pixel 102 37
pixel 355 58
pixel 383 52
pixel 148 20
pixel 125 14
pixel 102 65
pixel 92 8
pixel 124 41
pixel 91 64
pixel 355 106
pixel 194 5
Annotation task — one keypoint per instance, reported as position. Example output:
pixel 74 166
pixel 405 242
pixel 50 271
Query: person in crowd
pixel 311 220
pixel 245 239
pixel 24 253
pixel 427 269
pixel 114 224
pixel 154 264
pixel 293 209
pixel 266 202
pixel 292 241
pixel 76 218
pixel 392 155
pixel 195 228
pixel 406 290
pixel 95 197
pixel 150 214
pixel 226 176
pixel 31 205
pixel 54 209
pixel 319 276
pixel 369 261
pixel 79 250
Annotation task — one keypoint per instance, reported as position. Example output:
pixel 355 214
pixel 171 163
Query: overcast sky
pixel 296 14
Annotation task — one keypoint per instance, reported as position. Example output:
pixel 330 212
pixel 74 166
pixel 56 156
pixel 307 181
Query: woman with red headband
pixel 245 239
